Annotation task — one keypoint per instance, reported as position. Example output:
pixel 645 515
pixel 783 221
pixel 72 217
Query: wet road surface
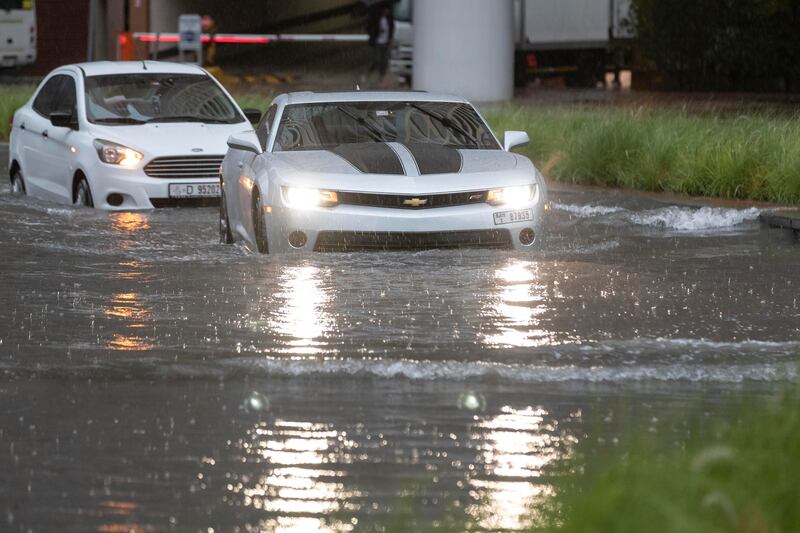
pixel 151 378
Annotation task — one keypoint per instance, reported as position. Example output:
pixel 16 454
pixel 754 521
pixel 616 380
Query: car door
pixel 32 147
pixel 60 159
pixel 245 163
pixel 44 161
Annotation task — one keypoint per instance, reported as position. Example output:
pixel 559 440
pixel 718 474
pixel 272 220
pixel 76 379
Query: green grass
pixel 755 156
pixel 740 477
pixel 11 98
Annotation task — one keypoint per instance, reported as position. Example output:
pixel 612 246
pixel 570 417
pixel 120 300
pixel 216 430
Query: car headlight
pixel 303 198
pixel 514 196
pixel 116 154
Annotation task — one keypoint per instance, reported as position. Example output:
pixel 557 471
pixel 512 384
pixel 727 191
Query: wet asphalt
pixel 153 379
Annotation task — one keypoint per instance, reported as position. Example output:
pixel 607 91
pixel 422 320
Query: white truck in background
pixel 579 40
pixel 17 33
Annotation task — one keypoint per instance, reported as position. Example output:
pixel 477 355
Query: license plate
pixel 509 217
pixel 193 190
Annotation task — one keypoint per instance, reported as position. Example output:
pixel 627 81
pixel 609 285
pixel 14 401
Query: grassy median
pixel 753 156
pixel 11 98
pixel 737 477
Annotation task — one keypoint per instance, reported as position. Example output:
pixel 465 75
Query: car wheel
pixel 260 224
pixel 17 183
pixel 83 195
pixel 225 235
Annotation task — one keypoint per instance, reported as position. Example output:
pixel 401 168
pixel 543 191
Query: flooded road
pixel 151 378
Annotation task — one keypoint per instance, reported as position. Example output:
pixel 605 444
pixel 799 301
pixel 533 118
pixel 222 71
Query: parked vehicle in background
pixel 580 40
pixel 124 135
pixel 378 171
pixel 17 33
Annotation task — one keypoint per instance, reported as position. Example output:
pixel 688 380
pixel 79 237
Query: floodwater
pixel 152 379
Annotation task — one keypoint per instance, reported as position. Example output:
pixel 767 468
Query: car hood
pixel 404 169
pixel 172 139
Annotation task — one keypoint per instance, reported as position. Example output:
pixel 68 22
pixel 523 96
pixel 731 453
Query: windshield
pixel 142 98
pixel 327 125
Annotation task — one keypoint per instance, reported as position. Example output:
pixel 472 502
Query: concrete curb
pixel 782 219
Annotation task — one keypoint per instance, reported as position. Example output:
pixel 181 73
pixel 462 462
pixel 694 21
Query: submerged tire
pixel 259 224
pixel 83 194
pixel 225 235
pixel 18 184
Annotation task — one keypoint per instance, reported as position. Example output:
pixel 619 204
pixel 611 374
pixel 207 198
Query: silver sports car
pixel 377 170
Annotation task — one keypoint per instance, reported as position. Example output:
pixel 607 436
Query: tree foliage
pixel 720 44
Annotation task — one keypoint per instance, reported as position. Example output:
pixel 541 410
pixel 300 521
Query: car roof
pixel 309 97
pixel 99 68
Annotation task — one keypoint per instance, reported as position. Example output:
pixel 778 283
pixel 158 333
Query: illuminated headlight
pixel 514 196
pixel 116 154
pixel 301 198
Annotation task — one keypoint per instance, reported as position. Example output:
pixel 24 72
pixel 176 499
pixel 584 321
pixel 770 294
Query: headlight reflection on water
pixel 287 475
pixel 517 445
pixel 515 307
pixel 130 311
pixel 301 309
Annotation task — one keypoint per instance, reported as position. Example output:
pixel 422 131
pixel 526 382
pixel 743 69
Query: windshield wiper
pixel 374 133
pixel 118 120
pixel 188 118
pixel 447 123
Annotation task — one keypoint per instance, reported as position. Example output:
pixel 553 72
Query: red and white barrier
pixel 249 38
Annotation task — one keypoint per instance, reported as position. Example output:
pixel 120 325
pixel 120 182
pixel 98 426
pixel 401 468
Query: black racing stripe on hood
pixel 371 158
pixel 435 158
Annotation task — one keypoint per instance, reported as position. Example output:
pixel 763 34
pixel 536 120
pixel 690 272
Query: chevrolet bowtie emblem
pixel 415 202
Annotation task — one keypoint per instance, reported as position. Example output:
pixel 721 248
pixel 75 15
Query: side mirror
pixel 512 139
pixel 247 142
pixel 63 119
pixel 253 115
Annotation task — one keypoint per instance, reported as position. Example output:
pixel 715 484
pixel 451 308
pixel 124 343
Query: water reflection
pixel 128 343
pixel 129 309
pixel 129 222
pixel 517 446
pixel 130 270
pixel 515 309
pixel 302 310
pixel 119 512
pixel 287 474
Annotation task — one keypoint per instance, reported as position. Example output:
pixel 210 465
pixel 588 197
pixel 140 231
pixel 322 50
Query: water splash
pixel 690 219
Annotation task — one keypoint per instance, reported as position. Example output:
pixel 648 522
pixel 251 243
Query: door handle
pixel 240 164
pixel 22 126
pixel 45 134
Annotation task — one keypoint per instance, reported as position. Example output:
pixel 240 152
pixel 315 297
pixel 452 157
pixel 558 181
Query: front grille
pixel 404 201
pixel 348 241
pixel 184 167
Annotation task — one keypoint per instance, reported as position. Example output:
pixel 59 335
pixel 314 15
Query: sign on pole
pixel 190 46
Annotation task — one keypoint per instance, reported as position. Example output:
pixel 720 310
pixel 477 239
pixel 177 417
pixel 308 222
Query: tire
pixel 225 235
pixel 259 224
pixel 83 194
pixel 17 184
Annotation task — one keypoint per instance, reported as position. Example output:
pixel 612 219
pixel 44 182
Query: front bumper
pixel 349 227
pixel 140 191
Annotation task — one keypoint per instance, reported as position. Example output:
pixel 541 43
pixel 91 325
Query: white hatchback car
pixel 378 170
pixel 124 135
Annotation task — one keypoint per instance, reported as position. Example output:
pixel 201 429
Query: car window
pixel 45 101
pixel 323 126
pixel 266 126
pixel 66 98
pixel 138 98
